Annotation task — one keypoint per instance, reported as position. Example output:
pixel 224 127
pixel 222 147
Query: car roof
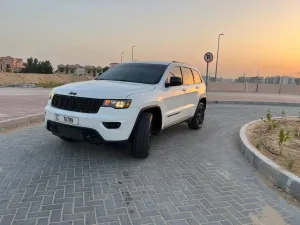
pixel 151 62
pixel 161 62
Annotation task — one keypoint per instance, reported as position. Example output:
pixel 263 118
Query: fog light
pixel 112 125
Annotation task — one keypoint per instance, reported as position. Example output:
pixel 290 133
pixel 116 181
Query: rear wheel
pixel 142 136
pixel 197 121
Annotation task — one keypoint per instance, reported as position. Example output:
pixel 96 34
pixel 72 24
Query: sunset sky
pixel 95 32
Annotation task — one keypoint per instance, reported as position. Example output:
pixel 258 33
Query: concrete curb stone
pixel 273 172
pixel 21 121
pixel 254 103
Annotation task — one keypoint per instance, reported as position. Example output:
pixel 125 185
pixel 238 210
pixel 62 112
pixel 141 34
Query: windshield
pixel 135 72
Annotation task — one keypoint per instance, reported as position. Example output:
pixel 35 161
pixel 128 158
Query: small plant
pixel 270 122
pixel 283 114
pixel 282 139
pixel 290 164
pixel 258 146
pixel 297 133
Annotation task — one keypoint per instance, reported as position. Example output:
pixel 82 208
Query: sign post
pixel 208 57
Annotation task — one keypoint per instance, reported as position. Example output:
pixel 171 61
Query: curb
pixel 20 121
pixel 254 103
pixel 273 172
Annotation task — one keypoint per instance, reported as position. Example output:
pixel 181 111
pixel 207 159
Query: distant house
pixel 10 64
pixel 79 70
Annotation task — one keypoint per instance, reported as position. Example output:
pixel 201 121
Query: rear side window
pixel 187 76
pixel 175 72
pixel 197 77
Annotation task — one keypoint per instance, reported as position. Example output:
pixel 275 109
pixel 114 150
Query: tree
pixel 35 66
pixel 105 69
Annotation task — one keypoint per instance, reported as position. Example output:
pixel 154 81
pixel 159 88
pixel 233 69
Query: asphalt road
pixel 17 102
pixel 191 177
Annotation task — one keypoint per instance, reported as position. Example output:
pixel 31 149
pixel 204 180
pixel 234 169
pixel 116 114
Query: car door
pixel 199 84
pixel 174 101
pixel 191 97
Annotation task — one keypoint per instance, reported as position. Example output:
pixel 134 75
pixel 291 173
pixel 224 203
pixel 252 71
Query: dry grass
pixel 22 78
pixel 290 157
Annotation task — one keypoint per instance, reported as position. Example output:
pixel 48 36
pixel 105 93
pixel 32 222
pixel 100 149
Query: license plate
pixel 66 119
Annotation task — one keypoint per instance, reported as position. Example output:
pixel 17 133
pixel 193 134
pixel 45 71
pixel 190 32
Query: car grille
pixel 76 104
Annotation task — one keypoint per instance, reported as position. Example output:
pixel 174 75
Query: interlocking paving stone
pixel 191 177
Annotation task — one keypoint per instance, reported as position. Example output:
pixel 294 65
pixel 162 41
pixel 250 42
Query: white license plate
pixel 66 119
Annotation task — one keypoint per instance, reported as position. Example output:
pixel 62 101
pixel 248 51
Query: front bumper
pixel 94 122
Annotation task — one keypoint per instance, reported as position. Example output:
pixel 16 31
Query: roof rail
pixel 178 62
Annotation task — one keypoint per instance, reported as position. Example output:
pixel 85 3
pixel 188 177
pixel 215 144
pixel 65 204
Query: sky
pixel 95 32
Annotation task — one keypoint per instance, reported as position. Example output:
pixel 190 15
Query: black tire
pixel 66 139
pixel 142 136
pixel 197 121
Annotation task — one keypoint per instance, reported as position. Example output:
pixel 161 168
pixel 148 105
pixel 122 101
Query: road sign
pixel 208 57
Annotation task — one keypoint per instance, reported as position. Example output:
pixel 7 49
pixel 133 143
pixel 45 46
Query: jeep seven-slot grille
pixel 76 104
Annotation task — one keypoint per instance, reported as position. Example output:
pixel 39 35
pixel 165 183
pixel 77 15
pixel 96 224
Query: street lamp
pixel 216 72
pixel 258 67
pixel 132 52
pixel 122 57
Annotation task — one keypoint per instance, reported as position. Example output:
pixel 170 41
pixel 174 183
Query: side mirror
pixel 175 81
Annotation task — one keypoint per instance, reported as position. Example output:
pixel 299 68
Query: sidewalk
pixel 18 102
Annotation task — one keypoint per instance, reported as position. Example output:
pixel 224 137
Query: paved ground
pixel 191 177
pixel 17 102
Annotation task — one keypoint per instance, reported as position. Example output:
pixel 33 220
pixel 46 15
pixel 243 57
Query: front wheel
pixel 142 136
pixel 197 121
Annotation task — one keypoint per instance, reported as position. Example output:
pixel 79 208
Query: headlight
pixel 117 104
pixel 51 95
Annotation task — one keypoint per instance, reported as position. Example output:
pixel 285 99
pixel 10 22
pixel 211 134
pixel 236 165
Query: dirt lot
pixel 21 78
pixel 290 157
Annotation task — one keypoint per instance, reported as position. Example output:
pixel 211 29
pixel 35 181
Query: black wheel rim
pixel 200 115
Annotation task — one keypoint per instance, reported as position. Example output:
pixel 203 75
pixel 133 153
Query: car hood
pixel 103 89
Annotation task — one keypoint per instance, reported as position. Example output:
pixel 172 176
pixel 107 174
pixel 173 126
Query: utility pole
pixel 132 52
pixel 122 57
pixel 216 72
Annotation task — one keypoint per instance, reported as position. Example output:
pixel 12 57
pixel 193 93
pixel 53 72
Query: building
pixel 272 80
pixel 255 80
pixel 10 64
pixel 280 80
pixel 79 70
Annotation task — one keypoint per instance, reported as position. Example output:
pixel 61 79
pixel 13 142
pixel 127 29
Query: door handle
pixel 197 87
pixel 183 89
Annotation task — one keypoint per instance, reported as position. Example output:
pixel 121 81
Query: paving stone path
pixel 191 177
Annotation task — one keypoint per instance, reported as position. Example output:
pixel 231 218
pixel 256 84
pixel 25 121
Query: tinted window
pixel 187 76
pixel 135 72
pixel 175 72
pixel 197 78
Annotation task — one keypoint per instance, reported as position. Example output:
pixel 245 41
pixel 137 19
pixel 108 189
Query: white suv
pixel 129 102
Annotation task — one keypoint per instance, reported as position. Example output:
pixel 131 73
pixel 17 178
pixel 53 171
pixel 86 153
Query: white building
pixel 288 80
pixel 280 80
pixel 80 70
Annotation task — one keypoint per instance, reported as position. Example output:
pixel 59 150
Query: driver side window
pixel 175 72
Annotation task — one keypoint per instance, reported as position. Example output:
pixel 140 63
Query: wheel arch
pixel 155 110
pixel 203 100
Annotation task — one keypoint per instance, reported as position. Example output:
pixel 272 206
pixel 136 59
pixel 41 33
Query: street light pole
pixel 216 72
pixel 132 52
pixel 258 70
pixel 122 57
